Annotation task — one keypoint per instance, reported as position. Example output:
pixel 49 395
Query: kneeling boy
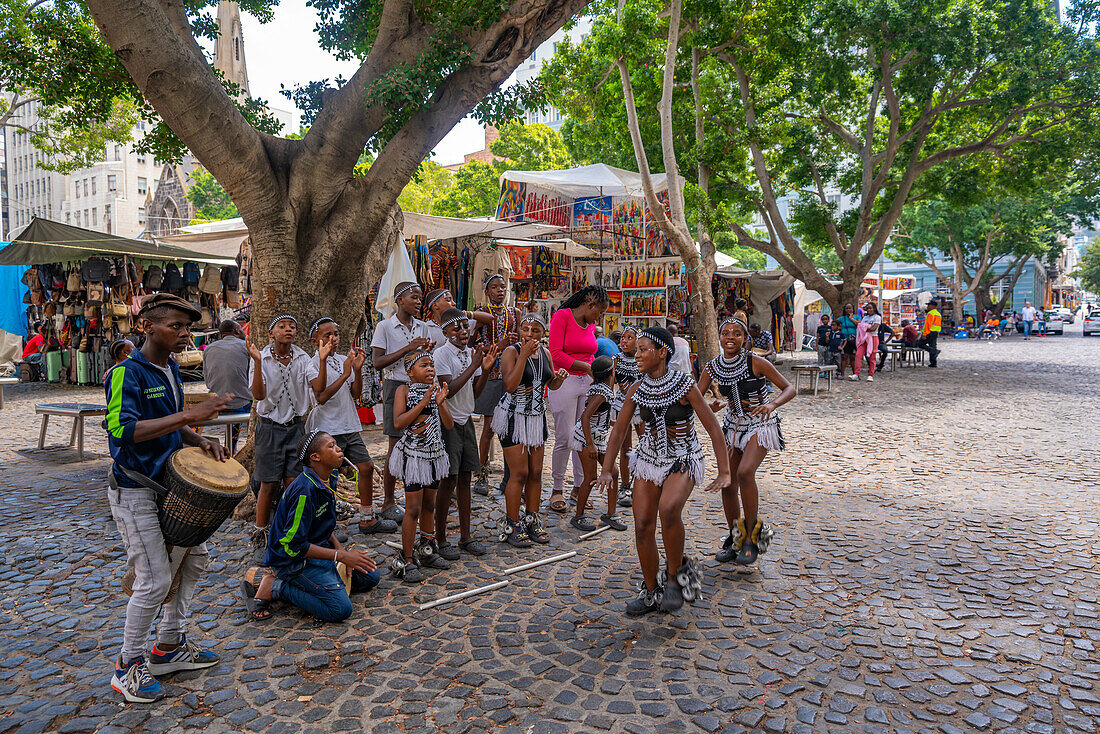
pixel 302 548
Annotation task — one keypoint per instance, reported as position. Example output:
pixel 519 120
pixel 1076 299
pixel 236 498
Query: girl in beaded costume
pixel 420 460
pixel 751 428
pixel 590 439
pixel 666 466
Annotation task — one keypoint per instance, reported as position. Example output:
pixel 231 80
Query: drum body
pixel 202 493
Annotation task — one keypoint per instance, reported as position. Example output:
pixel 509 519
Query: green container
pixel 53 366
pixel 66 358
pixel 82 369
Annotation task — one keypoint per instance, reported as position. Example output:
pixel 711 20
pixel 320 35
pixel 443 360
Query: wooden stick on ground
pixel 597 531
pixel 464 594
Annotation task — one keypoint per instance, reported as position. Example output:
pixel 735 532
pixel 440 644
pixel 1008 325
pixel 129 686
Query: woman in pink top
pixel 572 347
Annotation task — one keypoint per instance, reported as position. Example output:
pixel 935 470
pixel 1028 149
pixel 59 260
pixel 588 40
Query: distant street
pixel 934 569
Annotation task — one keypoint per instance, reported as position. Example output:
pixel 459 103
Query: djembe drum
pixel 202 493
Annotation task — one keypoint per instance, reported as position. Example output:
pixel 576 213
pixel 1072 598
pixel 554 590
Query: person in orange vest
pixel 933 324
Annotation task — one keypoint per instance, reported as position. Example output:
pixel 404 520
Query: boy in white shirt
pixel 337 382
pixel 465 373
pixel 277 375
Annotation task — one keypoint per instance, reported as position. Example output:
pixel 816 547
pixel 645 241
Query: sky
pixel 286 51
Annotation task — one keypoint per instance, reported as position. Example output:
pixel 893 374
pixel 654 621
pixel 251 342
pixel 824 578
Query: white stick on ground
pixel 464 594
pixel 391 544
pixel 536 564
pixel 597 531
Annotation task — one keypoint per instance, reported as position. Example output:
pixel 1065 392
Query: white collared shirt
pixel 452 361
pixel 390 336
pixel 338 415
pixel 288 393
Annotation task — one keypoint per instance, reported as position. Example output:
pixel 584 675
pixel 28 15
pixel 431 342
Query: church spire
pixel 229 46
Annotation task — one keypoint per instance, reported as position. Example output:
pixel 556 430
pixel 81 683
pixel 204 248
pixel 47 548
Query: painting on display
pixel 592 220
pixel 657 244
pixel 542 205
pixel 628 228
pixel 510 208
pixel 614 302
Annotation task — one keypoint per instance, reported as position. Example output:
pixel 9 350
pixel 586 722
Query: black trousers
pixel 928 344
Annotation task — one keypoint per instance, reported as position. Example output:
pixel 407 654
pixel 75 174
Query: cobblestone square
pixel 934 569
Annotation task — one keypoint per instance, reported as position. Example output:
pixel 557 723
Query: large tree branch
pixel 174 77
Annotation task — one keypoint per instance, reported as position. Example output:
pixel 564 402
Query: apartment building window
pixel 141 215
pixel 68 218
pixel 85 217
pixel 141 125
pixel 112 182
pixel 95 217
pixel 141 159
pixel 107 217
pixel 93 184
pixel 143 185
pixel 85 187
pixel 76 188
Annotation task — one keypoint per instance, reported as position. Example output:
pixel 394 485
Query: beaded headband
pixel 455 320
pixel 318 323
pixel 412 357
pixel 532 316
pixel 628 327
pixel 656 338
pixel 490 278
pixel 304 453
pixel 402 291
pixel 439 294
pixel 732 320
pixel 281 317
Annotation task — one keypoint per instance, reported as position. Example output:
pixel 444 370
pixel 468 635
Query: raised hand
pixel 528 348
pixel 420 342
pixel 326 347
pixel 253 351
pixel 441 393
pixel 490 358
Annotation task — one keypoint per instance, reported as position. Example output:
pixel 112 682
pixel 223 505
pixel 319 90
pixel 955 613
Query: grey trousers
pixel 135 513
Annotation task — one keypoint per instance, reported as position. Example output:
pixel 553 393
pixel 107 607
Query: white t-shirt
pixel 171 381
pixel 1028 313
pixel 872 320
pixel 391 335
pixel 452 361
pixel 681 359
pixel 288 393
pixel 338 415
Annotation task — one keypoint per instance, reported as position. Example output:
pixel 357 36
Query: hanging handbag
pixel 136 298
pixel 96 270
pixel 124 325
pixel 154 278
pixel 73 282
pixel 30 277
pixel 211 281
pixel 95 293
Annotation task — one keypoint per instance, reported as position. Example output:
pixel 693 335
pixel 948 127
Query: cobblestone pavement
pixel 934 569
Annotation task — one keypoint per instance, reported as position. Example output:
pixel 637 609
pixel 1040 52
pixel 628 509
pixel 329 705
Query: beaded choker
pixel 727 372
pixel 663 391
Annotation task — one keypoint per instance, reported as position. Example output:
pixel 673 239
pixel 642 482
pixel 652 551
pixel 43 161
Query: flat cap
pixel 171 301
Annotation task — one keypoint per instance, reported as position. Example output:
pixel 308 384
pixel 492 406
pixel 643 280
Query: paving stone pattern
pixel 934 570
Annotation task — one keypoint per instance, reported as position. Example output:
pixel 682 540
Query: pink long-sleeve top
pixel 569 341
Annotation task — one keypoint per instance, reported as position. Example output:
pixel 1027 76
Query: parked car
pixel 1055 324
pixel 1091 324
pixel 1067 315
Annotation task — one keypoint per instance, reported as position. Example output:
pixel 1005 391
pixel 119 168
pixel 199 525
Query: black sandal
pixel 258 609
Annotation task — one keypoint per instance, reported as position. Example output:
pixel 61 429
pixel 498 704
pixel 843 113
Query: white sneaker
pixel 870 379
pixel 853 378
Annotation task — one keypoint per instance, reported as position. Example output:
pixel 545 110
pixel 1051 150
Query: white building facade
pixel 31 190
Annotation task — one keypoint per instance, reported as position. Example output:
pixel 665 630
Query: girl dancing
pixel 520 423
pixel 751 428
pixel 666 466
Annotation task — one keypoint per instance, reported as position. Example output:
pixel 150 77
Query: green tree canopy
pixel 1088 270
pixel 210 200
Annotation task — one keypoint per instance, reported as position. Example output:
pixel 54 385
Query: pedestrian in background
pixel 933 324
pixel 1028 315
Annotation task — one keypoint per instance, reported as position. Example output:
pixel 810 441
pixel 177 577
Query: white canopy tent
pixel 445 228
pixel 597 179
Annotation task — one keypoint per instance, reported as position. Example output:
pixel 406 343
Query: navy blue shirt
pixel 305 515
pixel 836 341
pixel 138 390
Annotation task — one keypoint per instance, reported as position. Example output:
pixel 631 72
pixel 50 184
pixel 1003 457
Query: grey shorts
pixel 461 443
pixel 389 389
pixel 353 447
pixel 276 450
pixel 490 397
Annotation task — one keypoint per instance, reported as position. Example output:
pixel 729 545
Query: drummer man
pixel 147 423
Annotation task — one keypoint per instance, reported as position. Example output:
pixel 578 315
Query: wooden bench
pixel 77 411
pixel 813 372
pixel 6 381
pixel 915 356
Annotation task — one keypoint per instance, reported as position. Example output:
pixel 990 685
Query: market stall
pixel 771 300
pixel 86 288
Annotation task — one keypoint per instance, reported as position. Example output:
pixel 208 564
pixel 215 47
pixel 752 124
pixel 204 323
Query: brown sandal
pixel 557 503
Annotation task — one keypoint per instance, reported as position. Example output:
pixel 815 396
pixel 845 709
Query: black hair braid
pixel 594 293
